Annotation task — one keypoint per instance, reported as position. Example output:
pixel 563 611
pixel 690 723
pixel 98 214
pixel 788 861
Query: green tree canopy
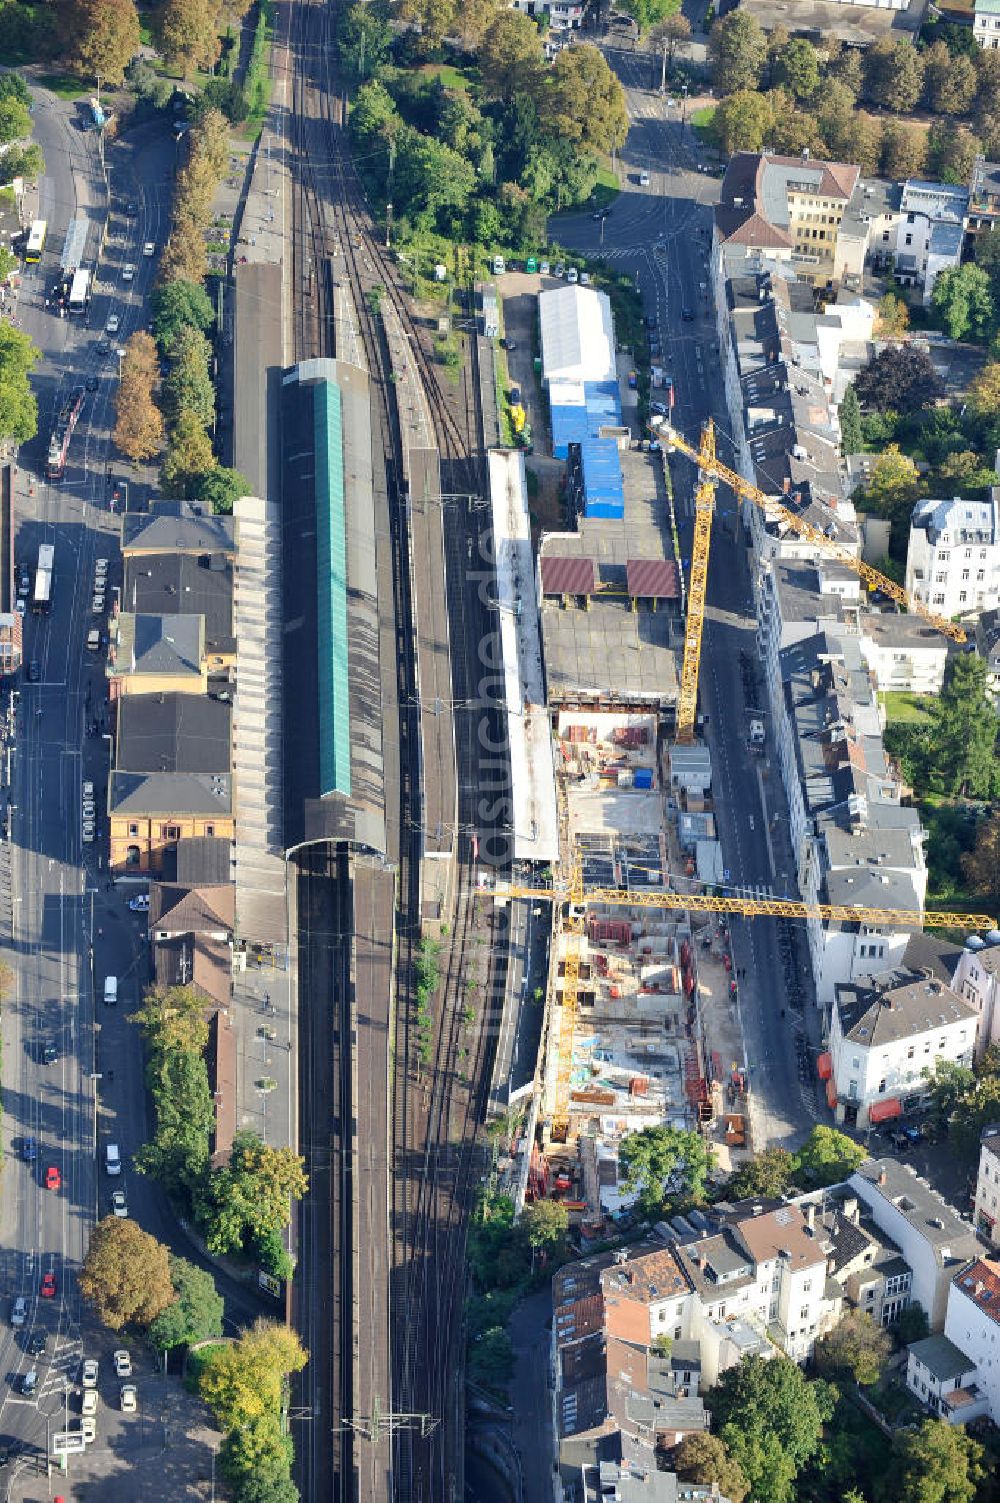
pixel 963 733
pixel 545 1223
pixel 737 50
pixel 743 121
pixel 894 74
pixel 178 305
pixel 649 13
pixel 588 101
pixel 849 414
pixel 938 1463
pixel 188 458
pixel 125 1274
pixel 173 1018
pixel 364 38
pixel 826 1157
pixel 963 297
pixel 188 33
pixel 856 1347
pixel 243 1380
pixel 221 488
pixel 188 387
pixel 951 151
pixel 949 82
pixel 981 865
pixel 770 1418
pixel 511 58
pixel 902 153
pixel 18 407
pixel 768 1173
pixel 796 68
pixel 196 1313
pixel 665 1164
pixel 251 1196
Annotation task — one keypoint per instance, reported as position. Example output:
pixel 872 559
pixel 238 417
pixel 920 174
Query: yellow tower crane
pixel 711 469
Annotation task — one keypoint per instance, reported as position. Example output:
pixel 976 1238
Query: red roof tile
pixel 980 1283
pixel 652 578
pixel 568 576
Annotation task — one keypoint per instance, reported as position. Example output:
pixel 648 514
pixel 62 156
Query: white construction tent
pixel 578 336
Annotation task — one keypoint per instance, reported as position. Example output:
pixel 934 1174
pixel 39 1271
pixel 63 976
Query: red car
pixel 53 1178
pixel 48 1286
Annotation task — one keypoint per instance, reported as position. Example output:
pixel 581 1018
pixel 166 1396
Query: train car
pixel 62 432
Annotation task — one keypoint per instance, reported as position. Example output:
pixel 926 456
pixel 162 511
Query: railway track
pixel 437 1106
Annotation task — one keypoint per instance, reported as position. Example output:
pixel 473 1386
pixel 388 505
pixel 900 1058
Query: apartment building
pixel 984 196
pixel 945 1379
pixel 903 653
pixel 986 1212
pixel 853 839
pixel 791 207
pixel 925 234
pixel 872 1273
pixel 953 555
pixel 977 979
pixel 935 1242
pixel 885 1031
pixel 988 647
pixel 973 1324
pixel 986 24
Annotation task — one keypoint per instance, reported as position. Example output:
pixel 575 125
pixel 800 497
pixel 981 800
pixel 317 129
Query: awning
pixel 884 1111
pixel 831 1094
pixel 824 1065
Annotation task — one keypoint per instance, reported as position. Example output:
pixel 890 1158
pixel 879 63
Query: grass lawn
pixel 702 118
pixel 905 708
pixel 451 77
pixel 66 85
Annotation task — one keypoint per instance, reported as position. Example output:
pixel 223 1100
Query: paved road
pixel 662 233
pixel 70 927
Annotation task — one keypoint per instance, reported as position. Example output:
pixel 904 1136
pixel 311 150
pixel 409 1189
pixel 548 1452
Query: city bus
pixel 79 292
pixel 41 599
pixel 36 241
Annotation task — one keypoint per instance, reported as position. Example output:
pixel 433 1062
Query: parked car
pixel 139 904
pixel 119 1205
pixel 572 276
pixel 113 324
pixel 88 1429
pixel 89 1372
pixel 49 1054
pixel 123 1363
pixel 149 249
pixel 129 1396
pixel 88 1405
pixel 128 272
pixel 643 179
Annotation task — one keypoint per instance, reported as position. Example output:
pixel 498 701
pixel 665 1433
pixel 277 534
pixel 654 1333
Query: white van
pixel 112 1158
pixel 499 266
pixel 110 991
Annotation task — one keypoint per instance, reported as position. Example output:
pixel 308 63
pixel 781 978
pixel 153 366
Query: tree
pixel 963 732
pixel 667 36
pixel 472 21
pixel 435 19
pixel 894 74
pixel 187 33
pixel 938 1463
pixel 845 67
pixel 951 151
pixel 15 121
pixel 364 39
pixel 125 1274
pixel 188 458
pixel 22 161
pixel 737 50
pixel 243 1381
pixel 221 488
pixel 826 1157
pixel 545 1223
pixel 188 388
pixel 963 298
pixel 173 1018
pixel 849 414
pixel 856 1346
pixel 184 257
pixel 796 68
pixel 588 104
pixel 963 472
pixel 949 82
pixel 102 37
pixel 893 316
pixel 742 121
pixel 665 1163
pixel 767 1174
pixel 196 1313
pixel 770 1418
pixel 511 59
pixel 649 13
pixel 18 407
pixel 249 1198
pixel 911 1324
pixel 177 1154
pixel 900 379
pixel 981 865
pixel 903 150
pixel 893 486
pixel 983 395
pixel 703 1458
pixel 138 429
pixel 261 1489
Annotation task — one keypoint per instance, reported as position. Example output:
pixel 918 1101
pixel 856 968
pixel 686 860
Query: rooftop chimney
pixel 811 1217
pixel 881 1176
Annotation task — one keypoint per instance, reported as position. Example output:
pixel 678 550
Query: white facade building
pixel 577 335
pixel 987 1204
pixel 925 233
pixel 945 1379
pixel 903 652
pixel 986 24
pixel 977 979
pixel 973 1324
pixel 885 1032
pixel 953 556
pixel 933 1239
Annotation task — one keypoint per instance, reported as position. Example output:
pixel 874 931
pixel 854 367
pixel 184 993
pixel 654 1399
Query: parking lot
pixel 165 1450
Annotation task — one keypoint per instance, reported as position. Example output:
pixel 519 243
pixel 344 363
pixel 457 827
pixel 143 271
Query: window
pixel 962 597
pixel 807 1286
pixel 133 856
pixel 852 1090
pixel 965 573
pixel 133 829
pixel 909 1052
pixel 171 832
pixel 909 239
pixel 937 600
pixel 885 235
pixel 881 1087
pixel 209 829
pixel 980 576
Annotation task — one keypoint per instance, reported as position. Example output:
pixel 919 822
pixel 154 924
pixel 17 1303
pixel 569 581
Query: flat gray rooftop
pixel 257 363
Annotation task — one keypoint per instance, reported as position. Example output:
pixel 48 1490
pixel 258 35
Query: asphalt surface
pixel 71 927
pixel 662 234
